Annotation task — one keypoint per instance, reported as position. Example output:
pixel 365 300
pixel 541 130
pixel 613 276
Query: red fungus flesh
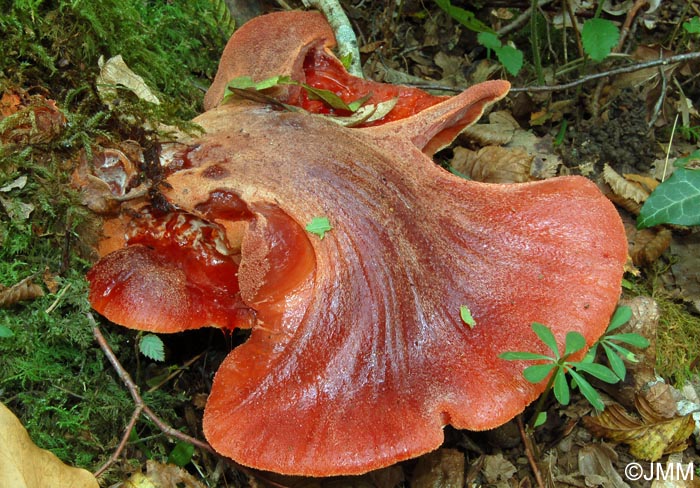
pixel 358 356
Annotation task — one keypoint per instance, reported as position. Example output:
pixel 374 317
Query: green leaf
pixel 333 100
pixel 691 161
pixel 588 391
pixel 599 37
pixel 489 40
pixel 624 353
pixel 152 347
pixel 561 388
pixel 247 83
pixel 601 372
pixel 574 342
pixel 616 362
pixel 692 26
pixel 466 316
pixel 523 356
pixel 5 332
pixel 464 17
pixel 511 58
pixel 541 419
pixel 675 201
pixel 181 454
pixel 546 336
pixel 631 338
pixel 538 372
pixel 621 316
pixel 319 226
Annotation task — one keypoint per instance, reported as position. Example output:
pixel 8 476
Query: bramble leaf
pixel 152 347
pixel 599 36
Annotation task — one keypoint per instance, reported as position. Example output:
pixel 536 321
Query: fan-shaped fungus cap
pixel 358 356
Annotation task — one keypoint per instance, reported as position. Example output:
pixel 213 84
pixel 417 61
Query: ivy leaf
pixel 675 201
pixel 466 316
pixel 319 226
pixel 599 37
pixel 152 347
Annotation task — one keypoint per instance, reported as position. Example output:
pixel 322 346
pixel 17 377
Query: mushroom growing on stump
pixel 357 356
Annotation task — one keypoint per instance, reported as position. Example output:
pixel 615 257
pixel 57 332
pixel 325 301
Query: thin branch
pixel 140 405
pixel 613 72
pixel 521 20
pixel 344 35
pixel 527 442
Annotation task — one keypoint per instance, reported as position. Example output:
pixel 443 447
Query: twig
pixel 141 407
pixel 527 442
pixel 617 71
pixel 631 15
pixel 521 20
pixel 344 35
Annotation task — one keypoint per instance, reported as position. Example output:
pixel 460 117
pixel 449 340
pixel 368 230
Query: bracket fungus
pixel 358 356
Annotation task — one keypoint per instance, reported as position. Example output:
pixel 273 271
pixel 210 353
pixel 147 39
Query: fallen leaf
pixel 648 438
pixel 17 184
pixel 24 465
pixel 493 164
pixel 159 475
pixel 622 187
pixel 24 290
pixel 497 468
pixel 649 244
pixel 595 462
pixel 115 71
pixel 686 268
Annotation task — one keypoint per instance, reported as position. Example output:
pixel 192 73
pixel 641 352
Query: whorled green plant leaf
pixel 616 362
pixel 561 388
pixel 599 37
pixel 599 371
pixel 675 201
pixel 152 347
pixel 587 391
pixel 574 342
pixel 523 356
pixel 546 336
pixel 621 316
pixel 538 372
pixel 631 338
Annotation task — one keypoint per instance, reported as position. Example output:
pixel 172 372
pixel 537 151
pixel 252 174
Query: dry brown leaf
pixel 622 187
pixel 595 463
pixel 29 119
pixel 443 468
pixel 24 290
pixel 497 468
pixel 24 465
pixel 648 183
pixel 648 245
pixel 159 475
pixel 493 164
pixel 649 438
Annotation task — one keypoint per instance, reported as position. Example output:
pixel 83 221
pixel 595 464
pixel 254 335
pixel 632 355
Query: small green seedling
pixel 558 365
pixel 510 57
pixel 610 343
pixel 599 37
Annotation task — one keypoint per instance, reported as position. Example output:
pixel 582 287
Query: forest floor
pixel 624 131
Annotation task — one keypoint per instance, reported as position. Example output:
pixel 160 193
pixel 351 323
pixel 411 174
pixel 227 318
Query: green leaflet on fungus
pixel 319 226
pixel 327 96
pixel 676 200
pixel 466 316
pixel 152 347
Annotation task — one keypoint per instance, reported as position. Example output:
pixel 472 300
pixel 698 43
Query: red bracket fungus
pixel 358 356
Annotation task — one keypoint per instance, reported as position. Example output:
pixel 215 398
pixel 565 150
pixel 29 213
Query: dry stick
pixel 529 452
pixel 521 20
pixel 141 407
pixel 628 23
pixel 617 71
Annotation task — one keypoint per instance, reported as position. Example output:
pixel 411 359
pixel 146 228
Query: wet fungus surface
pixel 357 356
